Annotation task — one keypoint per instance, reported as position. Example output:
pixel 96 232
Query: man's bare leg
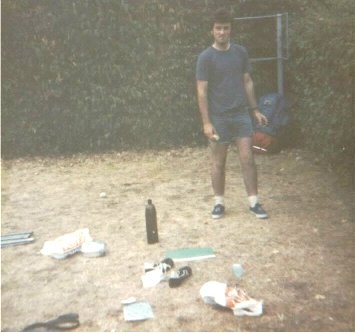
pixel 250 176
pixel 218 176
pixel 248 166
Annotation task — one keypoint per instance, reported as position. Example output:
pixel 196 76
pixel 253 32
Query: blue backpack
pixel 273 106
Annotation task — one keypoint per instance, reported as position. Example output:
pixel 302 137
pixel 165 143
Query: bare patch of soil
pixel 301 261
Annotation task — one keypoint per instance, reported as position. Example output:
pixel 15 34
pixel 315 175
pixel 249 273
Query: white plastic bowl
pixel 93 249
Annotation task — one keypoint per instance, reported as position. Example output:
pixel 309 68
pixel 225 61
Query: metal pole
pixel 254 17
pixel 280 74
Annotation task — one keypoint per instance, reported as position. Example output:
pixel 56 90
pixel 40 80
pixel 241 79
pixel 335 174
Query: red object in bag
pixel 264 143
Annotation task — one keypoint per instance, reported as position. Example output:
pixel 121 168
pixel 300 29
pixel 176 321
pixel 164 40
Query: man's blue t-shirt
pixel 224 72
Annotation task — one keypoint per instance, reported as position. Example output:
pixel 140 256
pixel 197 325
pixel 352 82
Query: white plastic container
pixel 93 249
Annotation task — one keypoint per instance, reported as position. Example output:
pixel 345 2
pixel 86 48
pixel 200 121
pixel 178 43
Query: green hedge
pixel 322 69
pixel 96 75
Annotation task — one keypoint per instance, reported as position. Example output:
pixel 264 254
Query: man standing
pixel 225 93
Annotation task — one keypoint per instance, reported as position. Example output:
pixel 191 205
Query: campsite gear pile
pixel 212 292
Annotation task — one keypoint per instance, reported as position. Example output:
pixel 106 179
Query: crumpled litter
pixel 134 310
pixel 67 244
pixel 152 278
pixel 155 273
pixel 238 270
pixel 234 298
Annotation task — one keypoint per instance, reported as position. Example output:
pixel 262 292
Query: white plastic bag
pixel 67 244
pixel 251 308
pixel 236 299
pixel 152 278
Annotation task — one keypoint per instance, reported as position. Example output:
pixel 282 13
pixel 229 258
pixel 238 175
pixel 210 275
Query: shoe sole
pixel 260 216
pixel 216 217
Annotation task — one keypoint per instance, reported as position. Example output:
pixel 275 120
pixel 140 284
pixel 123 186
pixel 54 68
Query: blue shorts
pixel 232 125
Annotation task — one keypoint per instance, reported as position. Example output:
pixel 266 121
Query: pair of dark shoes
pixel 176 277
pixel 257 210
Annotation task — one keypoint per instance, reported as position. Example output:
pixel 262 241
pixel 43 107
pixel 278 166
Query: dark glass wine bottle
pixel 151 223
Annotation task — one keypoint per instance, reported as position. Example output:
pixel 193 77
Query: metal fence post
pixel 280 74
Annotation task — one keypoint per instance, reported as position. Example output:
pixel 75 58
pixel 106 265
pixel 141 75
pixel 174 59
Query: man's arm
pixel 249 90
pixel 208 128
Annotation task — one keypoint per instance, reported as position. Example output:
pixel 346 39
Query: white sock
pixel 219 200
pixel 253 200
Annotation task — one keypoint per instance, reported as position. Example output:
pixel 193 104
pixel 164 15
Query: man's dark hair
pixel 221 16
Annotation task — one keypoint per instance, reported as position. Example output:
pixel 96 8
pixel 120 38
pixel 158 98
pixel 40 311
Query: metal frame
pixel 280 57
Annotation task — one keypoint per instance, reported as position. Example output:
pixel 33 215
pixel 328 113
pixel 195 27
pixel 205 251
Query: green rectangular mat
pixel 189 254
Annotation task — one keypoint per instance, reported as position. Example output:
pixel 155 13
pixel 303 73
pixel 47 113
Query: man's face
pixel 221 32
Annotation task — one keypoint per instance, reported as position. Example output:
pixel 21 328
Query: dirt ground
pixel 300 262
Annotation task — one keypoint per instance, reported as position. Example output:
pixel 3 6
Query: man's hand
pixel 209 131
pixel 260 118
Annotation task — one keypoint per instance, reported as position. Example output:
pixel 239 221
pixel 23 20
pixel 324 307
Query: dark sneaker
pixel 164 266
pixel 218 211
pixel 179 276
pixel 259 211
